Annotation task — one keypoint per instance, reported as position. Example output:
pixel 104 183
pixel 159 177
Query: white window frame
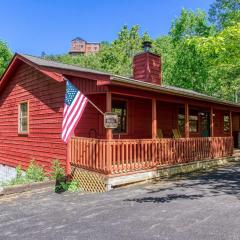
pixel 19 118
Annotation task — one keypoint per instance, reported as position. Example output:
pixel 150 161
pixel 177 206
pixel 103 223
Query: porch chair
pixel 159 133
pixel 176 133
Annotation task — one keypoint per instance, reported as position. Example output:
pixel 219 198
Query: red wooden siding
pixel 219 124
pixel 140 118
pixel 147 67
pixel 91 123
pixel 235 121
pixel 45 98
pixel 167 114
pixel 87 86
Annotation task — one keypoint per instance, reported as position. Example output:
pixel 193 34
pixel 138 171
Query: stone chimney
pixel 147 66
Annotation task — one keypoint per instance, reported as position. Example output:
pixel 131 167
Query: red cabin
pixel 158 125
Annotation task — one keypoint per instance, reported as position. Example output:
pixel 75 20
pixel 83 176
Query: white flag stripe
pixel 70 107
pixel 72 114
pixel 77 117
pixel 65 109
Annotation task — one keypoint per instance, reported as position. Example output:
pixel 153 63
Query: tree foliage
pixel 5 56
pixel 223 13
pixel 222 52
pixel 190 24
pixel 196 54
pixel 115 57
pixel 201 51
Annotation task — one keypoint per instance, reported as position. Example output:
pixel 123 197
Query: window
pixel 193 121
pixel 226 123
pixel 120 108
pixel 181 121
pixel 23 118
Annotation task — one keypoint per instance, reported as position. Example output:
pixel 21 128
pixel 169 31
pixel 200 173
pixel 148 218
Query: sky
pixel 34 26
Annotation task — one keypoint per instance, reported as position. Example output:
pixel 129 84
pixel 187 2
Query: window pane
pixel 226 123
pixel 181 122
pixel 193 118
pixel 23 117
pixel 193 125
pixel 23 125
pixel 193 121
pixel 23 109
pixel 120 108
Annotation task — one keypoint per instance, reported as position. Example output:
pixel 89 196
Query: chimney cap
pixel 147 45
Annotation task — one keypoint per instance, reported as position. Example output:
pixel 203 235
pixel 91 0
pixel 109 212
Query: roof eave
pixel 17 59
pixel 118 80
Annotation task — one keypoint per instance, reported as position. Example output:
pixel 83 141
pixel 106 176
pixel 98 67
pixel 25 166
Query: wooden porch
pixel 206 132
pixel 119 156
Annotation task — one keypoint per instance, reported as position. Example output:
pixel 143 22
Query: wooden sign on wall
pixel 110 120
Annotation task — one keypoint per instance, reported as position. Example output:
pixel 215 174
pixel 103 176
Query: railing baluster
pixel 135 154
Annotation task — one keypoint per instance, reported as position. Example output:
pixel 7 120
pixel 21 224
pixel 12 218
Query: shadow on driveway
pixel 217 182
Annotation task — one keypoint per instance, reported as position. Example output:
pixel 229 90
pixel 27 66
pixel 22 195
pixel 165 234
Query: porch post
pixel 154 118
pixel 186 120
pixel 211 123
pixel 108 109
pixel 68 162
pixel 109 134
pixel 230 118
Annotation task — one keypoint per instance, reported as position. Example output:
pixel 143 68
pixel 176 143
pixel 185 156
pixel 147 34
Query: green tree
pixel 164 47
pixel 187 67
pixel 224 13
pixel 190 24
pixel 115 57
pixel 222 52
pixel 194 55
pixel 5 56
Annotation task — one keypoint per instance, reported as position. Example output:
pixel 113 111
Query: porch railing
pixel 119 156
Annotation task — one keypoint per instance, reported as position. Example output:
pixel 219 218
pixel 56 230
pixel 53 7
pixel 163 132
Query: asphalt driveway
pixel 199 206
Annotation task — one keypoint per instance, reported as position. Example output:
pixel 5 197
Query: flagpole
pixel 96 107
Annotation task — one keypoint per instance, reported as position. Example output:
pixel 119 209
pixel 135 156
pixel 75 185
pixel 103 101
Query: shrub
pixel 62 182
pixel 19 172
pixel 57 171
pixel 71 186
pixel 35 172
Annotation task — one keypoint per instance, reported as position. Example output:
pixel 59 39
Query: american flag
pixel 74 105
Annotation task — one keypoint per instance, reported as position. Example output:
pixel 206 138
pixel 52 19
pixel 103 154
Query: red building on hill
pixel 80 46
pixel 158 124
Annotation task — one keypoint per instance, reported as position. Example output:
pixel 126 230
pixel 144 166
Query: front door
pixel 205 125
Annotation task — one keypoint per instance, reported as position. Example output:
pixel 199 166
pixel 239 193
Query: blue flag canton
pixel 71 92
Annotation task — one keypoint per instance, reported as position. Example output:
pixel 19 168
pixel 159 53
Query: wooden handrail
pixel 128 155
